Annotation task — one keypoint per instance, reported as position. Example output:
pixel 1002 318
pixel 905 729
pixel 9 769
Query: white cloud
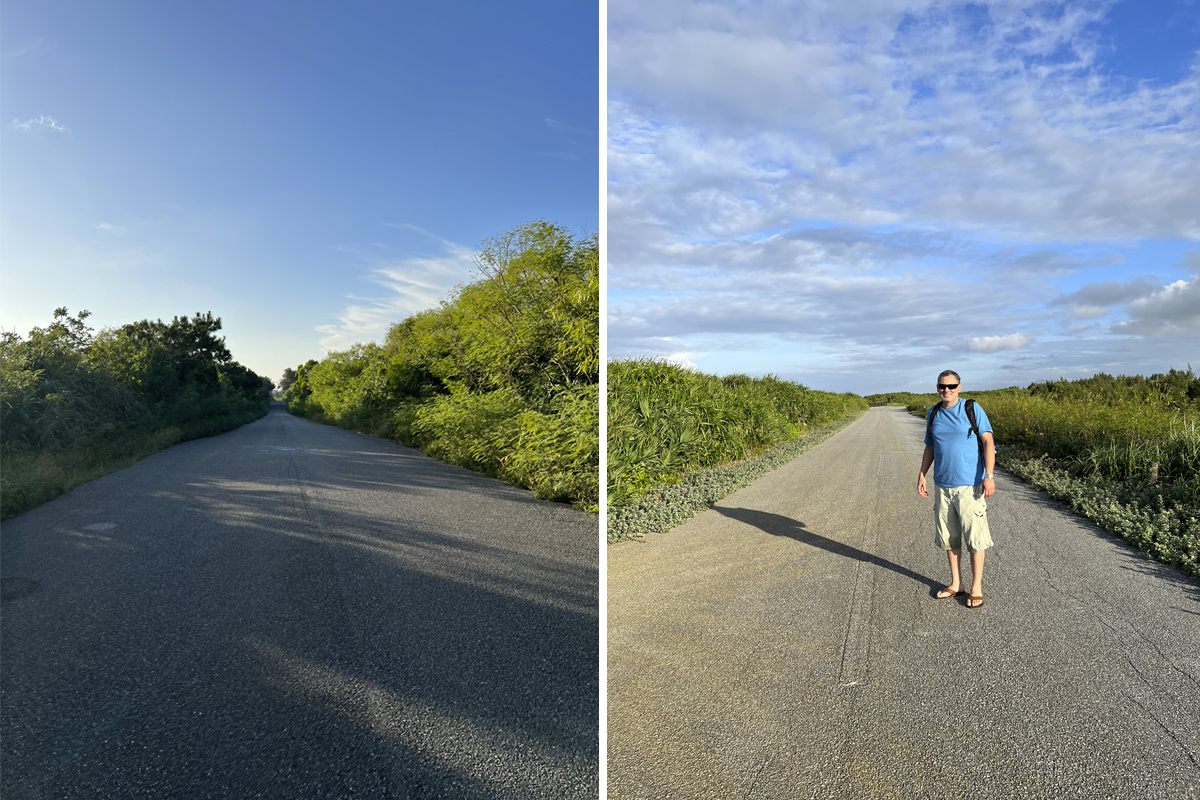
pixel 876 182
pixel 1097 299
pixel 1171 309
pixel 412 284
pixel 41 123
pixel 683 359
pixel 923 114
pixel 993 344
pixel 108 227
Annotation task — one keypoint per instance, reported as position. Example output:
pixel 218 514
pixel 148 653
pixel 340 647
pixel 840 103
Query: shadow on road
pixel 779 525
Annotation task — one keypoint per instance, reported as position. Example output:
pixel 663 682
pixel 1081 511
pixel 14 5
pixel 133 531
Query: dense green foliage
pixel 75 404
pixel 665 421
pixel 502 378
pixel 1124 451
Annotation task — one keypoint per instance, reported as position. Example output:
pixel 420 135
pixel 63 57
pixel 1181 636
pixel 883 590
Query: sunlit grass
pixel 30 478
pixel 665 421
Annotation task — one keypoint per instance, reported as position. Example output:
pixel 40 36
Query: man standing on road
pixel 963 462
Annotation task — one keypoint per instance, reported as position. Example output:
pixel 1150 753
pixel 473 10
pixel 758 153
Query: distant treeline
pixel 665 420
pixel 1121 450
pixel 75 404
pixel 502 378
pixel 898 398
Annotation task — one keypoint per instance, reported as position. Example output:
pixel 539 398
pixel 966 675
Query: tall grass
pixel 665 420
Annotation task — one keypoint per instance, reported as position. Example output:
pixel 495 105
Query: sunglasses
pixel 942 386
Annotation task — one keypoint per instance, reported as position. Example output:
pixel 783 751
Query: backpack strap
pixel 971 417
pixel 974 425
pixel 970 409
pixel 933 410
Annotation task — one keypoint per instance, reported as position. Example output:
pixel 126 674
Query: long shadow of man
pixel 779 525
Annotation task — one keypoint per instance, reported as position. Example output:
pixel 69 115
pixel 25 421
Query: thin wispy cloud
pixel 410 285
pixel 904 180
pixel 26 48
pixel 108 227
pixel 39 123
pixel 577 142
pixel 568 129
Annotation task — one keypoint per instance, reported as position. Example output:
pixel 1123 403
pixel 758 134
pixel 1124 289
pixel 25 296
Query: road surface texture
pixel 291 610
pixel 786 644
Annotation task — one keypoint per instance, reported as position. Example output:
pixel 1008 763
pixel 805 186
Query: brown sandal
pixel 974 600
pixel 947 592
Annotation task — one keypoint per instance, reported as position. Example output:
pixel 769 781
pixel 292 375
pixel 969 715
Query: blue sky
pixel 311 172
pixel 857 195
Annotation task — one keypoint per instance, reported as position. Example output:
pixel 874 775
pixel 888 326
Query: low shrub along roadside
pixel 75 405
pixel 502 378
pixel 666 421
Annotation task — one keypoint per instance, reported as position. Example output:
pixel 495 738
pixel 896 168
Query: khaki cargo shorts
pixel 960 513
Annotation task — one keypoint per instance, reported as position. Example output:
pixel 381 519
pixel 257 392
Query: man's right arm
pixel 926 462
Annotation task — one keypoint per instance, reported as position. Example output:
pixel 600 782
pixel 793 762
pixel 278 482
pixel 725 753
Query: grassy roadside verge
pixel 1145 516
pixel 667 506
pixel 32 478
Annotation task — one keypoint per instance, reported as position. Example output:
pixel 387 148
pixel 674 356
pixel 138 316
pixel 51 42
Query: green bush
pixel 501 378
pixel 1096 431
pixel 665 420
pixel 471 430
pixel 554 452
pixel 75 405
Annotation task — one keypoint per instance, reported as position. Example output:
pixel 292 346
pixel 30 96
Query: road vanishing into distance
pixel 291 610
pixel 786 644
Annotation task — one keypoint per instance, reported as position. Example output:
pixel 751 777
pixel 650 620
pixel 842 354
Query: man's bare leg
pixel 955 579
pixel 977 574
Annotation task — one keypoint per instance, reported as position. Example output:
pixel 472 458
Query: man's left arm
pixel 989 463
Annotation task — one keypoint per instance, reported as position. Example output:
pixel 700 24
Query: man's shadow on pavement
pixel 779 525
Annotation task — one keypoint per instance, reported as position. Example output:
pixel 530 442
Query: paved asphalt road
pixel 291 610
pixel 786 645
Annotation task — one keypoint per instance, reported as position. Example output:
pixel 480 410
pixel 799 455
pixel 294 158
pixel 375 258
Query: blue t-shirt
pixel 956 457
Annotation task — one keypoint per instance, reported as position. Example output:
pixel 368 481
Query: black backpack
pixel 970 418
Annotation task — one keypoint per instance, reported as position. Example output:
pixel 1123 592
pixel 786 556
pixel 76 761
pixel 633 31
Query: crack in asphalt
pixel 1170 733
